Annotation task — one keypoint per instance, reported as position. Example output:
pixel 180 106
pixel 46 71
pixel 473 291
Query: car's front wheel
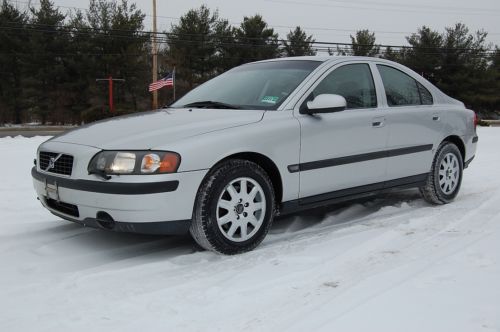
pixel 234 208
pixel 445 178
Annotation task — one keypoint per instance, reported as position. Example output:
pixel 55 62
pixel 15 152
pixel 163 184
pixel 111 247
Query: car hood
pixel 152 129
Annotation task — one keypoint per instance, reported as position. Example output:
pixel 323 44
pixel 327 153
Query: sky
pixel 335 20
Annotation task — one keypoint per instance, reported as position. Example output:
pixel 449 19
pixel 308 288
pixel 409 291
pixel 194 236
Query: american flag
pixel 165 81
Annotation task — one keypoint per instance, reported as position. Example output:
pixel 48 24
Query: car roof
pixel 331 58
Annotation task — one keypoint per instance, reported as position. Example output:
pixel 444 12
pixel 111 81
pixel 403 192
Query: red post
pixel 111 106
pixel 110 80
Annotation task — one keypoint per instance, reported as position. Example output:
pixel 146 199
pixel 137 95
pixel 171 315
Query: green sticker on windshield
pixel 270 99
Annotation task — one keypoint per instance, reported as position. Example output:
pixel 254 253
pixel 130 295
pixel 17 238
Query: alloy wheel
pixel 241 209
pixel 449 173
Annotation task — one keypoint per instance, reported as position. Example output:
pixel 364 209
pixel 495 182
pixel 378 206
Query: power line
pixel 419 5
pixel 416 10
pixel 391 5
pixel 235 23
pixel 173 38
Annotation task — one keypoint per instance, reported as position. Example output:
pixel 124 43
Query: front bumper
pixel 172 227
pixel 163 205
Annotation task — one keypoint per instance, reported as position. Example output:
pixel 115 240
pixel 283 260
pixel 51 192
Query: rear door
pixel 415 124
pixel 343 149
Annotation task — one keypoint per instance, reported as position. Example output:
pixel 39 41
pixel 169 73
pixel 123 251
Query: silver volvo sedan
pixel 266 138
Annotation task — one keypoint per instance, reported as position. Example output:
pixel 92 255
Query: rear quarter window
pixel 425 95
pixel 401 89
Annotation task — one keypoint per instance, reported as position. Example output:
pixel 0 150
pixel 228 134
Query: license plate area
pixel 52 190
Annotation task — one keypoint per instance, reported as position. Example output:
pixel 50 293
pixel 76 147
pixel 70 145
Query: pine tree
pixel 392 55
pixel 363 44
pixel 495 72
pixel 227 51
pixel 298 43
pixel 191 45
pixel 256 41
pixel 78 65
pixel 463 60
pixel 47 72
pixel 425 56
pixel 455 61
pixel 117 49
pixel 13 57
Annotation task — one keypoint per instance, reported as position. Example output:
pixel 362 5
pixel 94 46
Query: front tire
pixel 445 178
pixel 234 208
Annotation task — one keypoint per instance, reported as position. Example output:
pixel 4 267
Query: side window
pixel 353 82
pixel 400 89
pixel 425 95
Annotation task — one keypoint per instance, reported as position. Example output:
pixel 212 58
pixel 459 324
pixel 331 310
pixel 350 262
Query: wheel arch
pixel 459 143
pixel 269 167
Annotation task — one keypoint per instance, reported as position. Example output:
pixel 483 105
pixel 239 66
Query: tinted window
pixel 425 95
pixel 353 82
pixel 400 89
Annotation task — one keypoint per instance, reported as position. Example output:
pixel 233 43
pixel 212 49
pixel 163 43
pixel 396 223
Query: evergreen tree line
pixel 50 60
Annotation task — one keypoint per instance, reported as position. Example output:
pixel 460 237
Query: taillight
pixel 475 120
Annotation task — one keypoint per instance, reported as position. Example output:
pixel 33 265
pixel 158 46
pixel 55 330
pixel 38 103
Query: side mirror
pixel 325 103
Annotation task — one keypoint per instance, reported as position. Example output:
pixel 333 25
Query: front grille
pixel 66 208
pixel 61 163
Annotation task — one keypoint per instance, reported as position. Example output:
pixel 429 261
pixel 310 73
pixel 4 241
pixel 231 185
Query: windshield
pixel 263 85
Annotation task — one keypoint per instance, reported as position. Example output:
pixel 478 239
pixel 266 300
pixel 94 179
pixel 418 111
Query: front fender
pixel 277 137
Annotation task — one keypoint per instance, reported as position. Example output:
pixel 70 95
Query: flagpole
pixel 155 58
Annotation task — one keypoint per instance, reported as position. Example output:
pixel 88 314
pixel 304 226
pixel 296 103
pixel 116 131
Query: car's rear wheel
pixel 445 178
pixel 234 208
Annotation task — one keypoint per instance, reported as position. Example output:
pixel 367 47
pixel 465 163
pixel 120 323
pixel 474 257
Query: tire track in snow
pixel 415 266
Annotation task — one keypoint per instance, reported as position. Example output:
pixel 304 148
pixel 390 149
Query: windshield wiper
pixel 211 104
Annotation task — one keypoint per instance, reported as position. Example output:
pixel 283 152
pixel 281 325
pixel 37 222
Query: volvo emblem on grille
pixel 52 162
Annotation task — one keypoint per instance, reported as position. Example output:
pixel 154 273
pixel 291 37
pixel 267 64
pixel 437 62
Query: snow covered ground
pixel 392 263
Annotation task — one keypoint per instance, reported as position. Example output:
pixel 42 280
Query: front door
pixel 343 149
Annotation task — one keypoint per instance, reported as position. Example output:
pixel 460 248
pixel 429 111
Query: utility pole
pixel 155 57
pixel 110 80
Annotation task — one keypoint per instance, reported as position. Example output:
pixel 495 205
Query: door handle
pixel 378 122
pixel 435 117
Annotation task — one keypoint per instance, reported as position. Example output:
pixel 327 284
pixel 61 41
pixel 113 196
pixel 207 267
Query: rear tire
pixel 234 208
pixel 445 177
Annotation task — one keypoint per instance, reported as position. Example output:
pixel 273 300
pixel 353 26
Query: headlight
pixel 123 163
pixel 134 162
